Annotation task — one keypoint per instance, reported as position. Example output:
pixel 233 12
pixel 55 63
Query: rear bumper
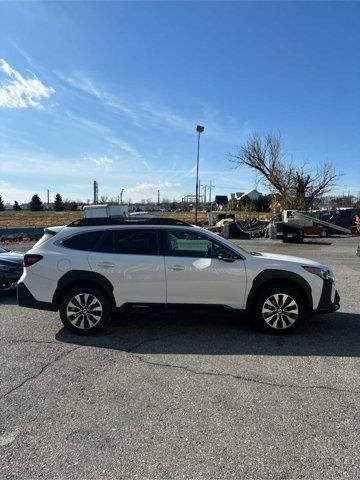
pixel 26 299
pixel 328 304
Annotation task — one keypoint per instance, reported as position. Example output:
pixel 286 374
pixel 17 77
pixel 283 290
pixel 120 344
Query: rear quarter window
pixel 82 241
pixel 44 238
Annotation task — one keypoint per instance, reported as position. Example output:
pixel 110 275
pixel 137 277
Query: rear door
pixel 195 274
pixel 130 259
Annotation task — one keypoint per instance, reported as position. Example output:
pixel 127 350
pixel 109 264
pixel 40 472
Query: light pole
pixel 121 196
pixel 199 129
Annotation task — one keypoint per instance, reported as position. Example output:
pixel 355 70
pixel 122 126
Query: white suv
pixel 94 266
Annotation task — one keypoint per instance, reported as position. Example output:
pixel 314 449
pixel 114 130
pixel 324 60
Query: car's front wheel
pixel 279 309
pixel 85 309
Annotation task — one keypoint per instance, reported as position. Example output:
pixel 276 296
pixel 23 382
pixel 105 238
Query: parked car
pixel 88 269
pixel 316 230
pixel 10 269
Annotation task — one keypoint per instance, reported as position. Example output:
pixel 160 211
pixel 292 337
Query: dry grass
pixel 36 219
pixel 13 219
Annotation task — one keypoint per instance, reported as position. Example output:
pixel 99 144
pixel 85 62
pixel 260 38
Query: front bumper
pixel 8 282
pixel 329 300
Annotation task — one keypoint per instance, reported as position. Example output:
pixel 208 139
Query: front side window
pixel 190 244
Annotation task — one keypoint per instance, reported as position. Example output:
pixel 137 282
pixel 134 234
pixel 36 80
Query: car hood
pixel 277 259
pixel 12 257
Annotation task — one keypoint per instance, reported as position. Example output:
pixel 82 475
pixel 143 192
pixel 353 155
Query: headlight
pixel 323 273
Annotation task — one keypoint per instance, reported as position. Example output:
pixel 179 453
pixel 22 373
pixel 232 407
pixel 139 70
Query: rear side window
pixel 82 241
pixel 131 242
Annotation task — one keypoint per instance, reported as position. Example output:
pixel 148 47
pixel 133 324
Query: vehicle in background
pixel 92 267
pixel 11 269
pixel 105 211
pixel 316 231
pixel 295 225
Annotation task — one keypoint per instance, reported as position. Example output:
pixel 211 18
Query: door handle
pixel 176 267
pixel 106 264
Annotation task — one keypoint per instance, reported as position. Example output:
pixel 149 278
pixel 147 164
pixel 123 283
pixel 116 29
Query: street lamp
pixel 121 196
pixel 199 129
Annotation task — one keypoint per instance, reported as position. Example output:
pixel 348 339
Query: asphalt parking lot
pixel 190 394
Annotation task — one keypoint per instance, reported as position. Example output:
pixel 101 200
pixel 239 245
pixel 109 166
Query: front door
pixel 195 274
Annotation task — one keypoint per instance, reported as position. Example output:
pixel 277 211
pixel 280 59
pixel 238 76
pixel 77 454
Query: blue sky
pixel 113 92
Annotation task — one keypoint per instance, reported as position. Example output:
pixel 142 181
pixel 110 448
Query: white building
pixel 253 195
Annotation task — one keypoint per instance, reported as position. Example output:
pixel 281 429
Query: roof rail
pixel 94 222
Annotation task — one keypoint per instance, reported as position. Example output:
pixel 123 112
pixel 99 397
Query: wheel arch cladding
pixel 270 276
pixel 75 277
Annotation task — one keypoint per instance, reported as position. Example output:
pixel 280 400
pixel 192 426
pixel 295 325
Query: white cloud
pixel 80 82
pixel 17 91
pixel 145 114
pixel 9 193
pixel 148 188
pixel 101 161
pixel 124 146
pixel 91 124
pixel 161 116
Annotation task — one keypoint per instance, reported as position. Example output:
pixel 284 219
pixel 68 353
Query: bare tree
pixel 294 186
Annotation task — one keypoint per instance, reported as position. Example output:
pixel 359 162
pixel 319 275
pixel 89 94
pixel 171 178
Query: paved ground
pixel 168 395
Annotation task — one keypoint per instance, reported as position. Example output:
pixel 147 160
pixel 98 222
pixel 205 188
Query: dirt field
pixel 11 219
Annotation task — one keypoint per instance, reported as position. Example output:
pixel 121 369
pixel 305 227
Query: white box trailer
pixel 105 211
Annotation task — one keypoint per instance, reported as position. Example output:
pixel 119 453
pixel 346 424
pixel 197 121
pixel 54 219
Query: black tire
pixel 300 236
pixel 323 234
pixel 272 299
pixel 85 309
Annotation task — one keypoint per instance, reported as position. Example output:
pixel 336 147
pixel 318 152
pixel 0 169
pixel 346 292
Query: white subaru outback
pixel 92 267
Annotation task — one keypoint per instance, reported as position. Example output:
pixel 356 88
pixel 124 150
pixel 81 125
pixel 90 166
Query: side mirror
pixel 223 257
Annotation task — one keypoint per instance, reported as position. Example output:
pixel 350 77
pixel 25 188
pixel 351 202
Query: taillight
pixel 30 259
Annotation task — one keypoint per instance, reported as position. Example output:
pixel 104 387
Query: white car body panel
pixel 136 278
pixel 205 281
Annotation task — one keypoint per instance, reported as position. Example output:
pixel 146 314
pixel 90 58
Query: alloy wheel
pixel 84 311
pixel 280 311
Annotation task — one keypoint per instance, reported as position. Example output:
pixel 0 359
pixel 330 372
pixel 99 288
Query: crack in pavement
pixel 244 378
pixel 42 369
pixel 25 340
pixel 140 358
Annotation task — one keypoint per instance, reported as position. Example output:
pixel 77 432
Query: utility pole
pixel 121 196
pixel 205 189
pixel 211 186
pixel 158 197
pixel 96 192
pixel 199 129
pixel 48 198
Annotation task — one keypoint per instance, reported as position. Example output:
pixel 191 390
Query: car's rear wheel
pixel 323 234
pixel 279 309
pixel 85 309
